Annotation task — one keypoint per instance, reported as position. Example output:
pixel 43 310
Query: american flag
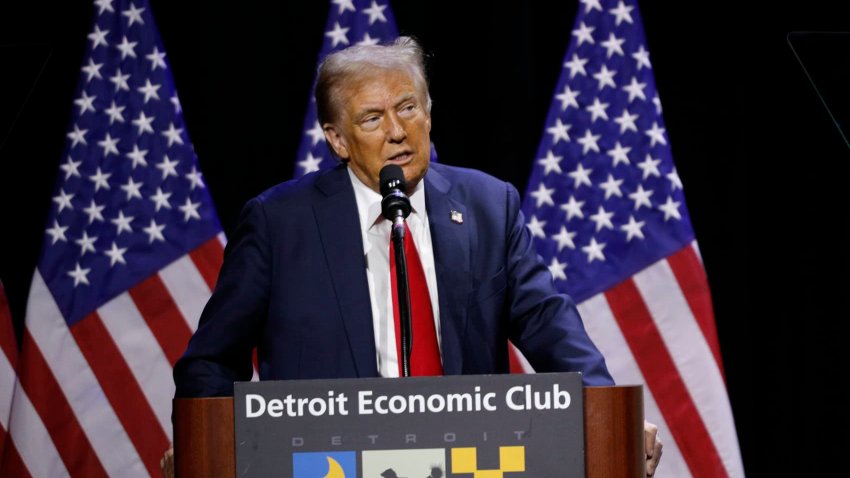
pixel 606 208
pixel 8 367
pixel 350 22
pixel 131 251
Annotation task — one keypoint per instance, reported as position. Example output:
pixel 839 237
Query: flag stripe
pixel 145 358
pixel 208 259
pixel 8 342
pixel 603 329
pixel 32 441
pixel 8 362
pixel 692 357
pixel 11 464
pixel 7 385
pixel 162 316
pixel 187 287
pixel 48 399
pixel 659 370
pixel 79 386
pixel 121 389
pixel 3 438
pixel 691 277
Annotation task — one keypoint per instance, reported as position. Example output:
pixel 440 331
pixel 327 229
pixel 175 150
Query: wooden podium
pixel 613 433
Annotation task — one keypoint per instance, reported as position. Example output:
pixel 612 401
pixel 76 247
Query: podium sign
pixel 427 427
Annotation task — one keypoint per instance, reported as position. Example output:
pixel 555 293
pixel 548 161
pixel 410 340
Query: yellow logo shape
pixel 334 469
pixel 511 459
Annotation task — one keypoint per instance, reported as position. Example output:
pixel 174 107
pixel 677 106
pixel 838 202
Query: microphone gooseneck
pixel 395 206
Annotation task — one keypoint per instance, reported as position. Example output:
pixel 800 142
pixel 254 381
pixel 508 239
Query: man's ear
pixel 336 141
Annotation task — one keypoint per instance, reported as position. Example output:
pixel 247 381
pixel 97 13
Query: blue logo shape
pixel 331 464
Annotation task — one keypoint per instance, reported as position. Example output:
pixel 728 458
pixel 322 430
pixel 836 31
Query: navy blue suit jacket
pixel 294 285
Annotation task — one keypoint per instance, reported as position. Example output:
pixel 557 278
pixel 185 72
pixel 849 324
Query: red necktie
pixel 424 351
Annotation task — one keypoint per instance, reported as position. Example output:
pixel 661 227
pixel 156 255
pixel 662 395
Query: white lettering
pixel 459 402
pixel 438 406
pixel 562 398
pixel 317 407
pixel 397 404
pixel 488 402
pixel 275 407
pixel 364 402
pixel 379 407
pixel 251 398
pixel 509 398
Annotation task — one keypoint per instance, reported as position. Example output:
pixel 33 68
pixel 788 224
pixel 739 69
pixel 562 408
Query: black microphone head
pixel 392 177
pixel 393 186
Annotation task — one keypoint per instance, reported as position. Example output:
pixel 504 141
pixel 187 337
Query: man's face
pixel 382 119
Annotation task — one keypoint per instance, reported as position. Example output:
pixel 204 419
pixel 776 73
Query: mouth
pixel 400 158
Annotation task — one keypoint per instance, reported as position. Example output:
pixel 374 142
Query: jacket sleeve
pixel 219 352
pixel 545 324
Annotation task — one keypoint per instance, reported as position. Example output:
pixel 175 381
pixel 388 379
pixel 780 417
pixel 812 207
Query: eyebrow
pixel 369 110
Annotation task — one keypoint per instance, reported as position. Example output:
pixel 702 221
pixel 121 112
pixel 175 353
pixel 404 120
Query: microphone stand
pixel 403 294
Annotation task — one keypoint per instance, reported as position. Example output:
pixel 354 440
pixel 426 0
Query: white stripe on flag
pixel 34 444
pixel 222 239
pixel 188 289
pixel 7 386
pixel 81 388
pixel 142 353
pixel 605 333
pixel 695 245
pixel 693 358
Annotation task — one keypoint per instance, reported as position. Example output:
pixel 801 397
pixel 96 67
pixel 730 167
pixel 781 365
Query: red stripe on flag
pixel 11 463
pixel 8 342
pixel 55 412
pixel 208 259
pixel 162 316
pixel 3 435
pixel 664 382
pixel 122 390
pixel 692 280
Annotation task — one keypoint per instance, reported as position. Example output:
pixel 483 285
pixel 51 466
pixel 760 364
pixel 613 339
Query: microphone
pixel 396 205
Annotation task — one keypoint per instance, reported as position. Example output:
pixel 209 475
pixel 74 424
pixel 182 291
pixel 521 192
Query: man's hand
pixel 167 463
pixel 653 447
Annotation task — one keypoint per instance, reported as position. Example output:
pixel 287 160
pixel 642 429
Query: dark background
pixel 764 167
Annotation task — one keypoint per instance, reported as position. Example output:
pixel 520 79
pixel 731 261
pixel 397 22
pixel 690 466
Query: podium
pixel 613 431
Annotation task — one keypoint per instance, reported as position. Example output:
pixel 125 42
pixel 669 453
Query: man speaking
pixel 308 276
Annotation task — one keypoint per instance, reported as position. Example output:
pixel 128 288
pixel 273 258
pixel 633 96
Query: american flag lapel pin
pixel 457 217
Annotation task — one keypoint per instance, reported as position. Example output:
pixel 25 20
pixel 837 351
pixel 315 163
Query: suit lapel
pixel 339 228
pixel 451 244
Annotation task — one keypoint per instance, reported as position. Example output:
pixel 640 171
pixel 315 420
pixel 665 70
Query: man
pixel 307 273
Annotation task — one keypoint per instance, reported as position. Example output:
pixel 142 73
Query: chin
pixel 414 173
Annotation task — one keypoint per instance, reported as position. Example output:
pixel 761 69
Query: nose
pixel 395 129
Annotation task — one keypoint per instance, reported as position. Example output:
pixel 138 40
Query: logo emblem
pixel 511 459
pixel 416 463
pixel 324 465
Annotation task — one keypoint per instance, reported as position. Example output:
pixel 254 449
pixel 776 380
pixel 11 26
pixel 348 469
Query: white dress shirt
pixel 376 248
